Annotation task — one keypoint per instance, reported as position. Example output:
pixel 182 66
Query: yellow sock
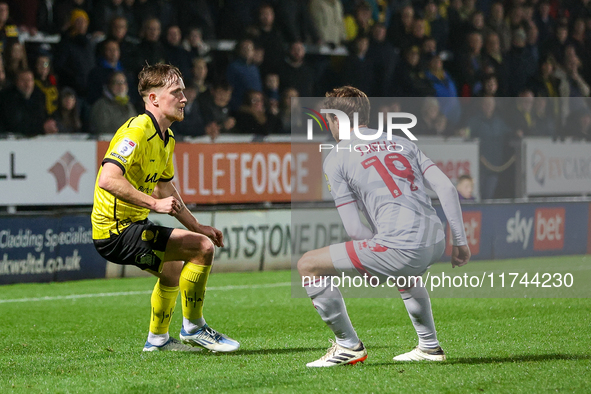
pixel 192 283
pixel 163 303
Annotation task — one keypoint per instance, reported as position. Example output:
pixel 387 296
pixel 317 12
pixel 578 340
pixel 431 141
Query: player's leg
pixel 198 252
pixel 418 305
pixel 163 302
pixel 315 268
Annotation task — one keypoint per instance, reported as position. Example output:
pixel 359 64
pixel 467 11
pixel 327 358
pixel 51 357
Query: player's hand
pixel 216 236
pixel 169 205
pixel 460 255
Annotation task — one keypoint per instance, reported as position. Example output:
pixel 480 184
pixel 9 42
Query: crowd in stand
pixel 450 51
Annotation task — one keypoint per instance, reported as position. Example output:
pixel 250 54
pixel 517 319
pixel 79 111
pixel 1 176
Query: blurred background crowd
pixel 70 66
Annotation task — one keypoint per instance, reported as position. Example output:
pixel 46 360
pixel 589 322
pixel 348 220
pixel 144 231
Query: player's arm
pixel 167 189
pixel 352 222
pixel 448 196
pixel 113 181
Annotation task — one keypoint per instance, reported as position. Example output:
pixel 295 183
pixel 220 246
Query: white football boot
pixel 338 355
pixel 172 345
pixel 210 339
pixel 417 354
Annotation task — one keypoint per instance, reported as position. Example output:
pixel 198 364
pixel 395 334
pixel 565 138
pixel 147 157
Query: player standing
pixel 135 177
pixel 406 235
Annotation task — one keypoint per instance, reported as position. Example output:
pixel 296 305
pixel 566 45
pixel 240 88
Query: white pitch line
pixel 124 293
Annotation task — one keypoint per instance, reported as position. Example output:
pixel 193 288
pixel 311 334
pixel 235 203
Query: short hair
pixel 222 84
pixel 349 99
pixel 157 76
pixel 465 177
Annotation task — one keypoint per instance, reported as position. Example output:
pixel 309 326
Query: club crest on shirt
pixel 126 147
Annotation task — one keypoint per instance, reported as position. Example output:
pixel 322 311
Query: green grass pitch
pixel 73 344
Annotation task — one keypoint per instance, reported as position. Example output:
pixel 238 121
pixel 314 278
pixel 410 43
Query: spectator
pixel 445 90
pixel 144 10
pixel 579 40
pixel 175 53
pixel 431 122
pixel 198 14
pixel 493 56
pixel 329 18
pixel 497 24
pixel 63 11
pixel 294 18
pixel 271 91
pixel 269 38
pixel 465 187
pixel 192 125
pixel 409 80
pixel 544 83
pixel 107 64
pixel 358 24
pixel 103 13
pixel 401 25
pixel 521 64
pixel 253 119
pixel 114 108
pixel 520 117
pixel 195 45
pixel 532 43
pixel 469 66
pixel 67 117
pixel 358 70
pixel 436 26
pixel 16 60
pixel 556 45
pixel 543 20
pixel 544 119
pixel 8 30
pixel 22 107
pixel 215 108
pixel 129 16
pixel 456 26
pixel 75 54
pixel 291 122
pixel 47 83
pixel 199 76
pixel 150 49
pixel 417 35
pixel 384 58
pixel 242 74
pixel 572 85
pixel 118 31
pixel 578 125
pixel 493 135
pixel 490 86
pixel 296 72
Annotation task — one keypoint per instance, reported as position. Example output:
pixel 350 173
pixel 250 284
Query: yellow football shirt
pixel 145 157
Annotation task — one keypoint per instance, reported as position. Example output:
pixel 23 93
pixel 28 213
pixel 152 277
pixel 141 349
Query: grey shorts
pixel 355 258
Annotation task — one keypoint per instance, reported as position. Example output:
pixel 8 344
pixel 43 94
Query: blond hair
pixel 349 99
pixel 157 76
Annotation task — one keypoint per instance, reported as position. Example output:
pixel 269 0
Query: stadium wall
pixel 59 248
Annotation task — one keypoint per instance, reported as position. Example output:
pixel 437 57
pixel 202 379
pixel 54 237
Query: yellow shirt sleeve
pixel 125 148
